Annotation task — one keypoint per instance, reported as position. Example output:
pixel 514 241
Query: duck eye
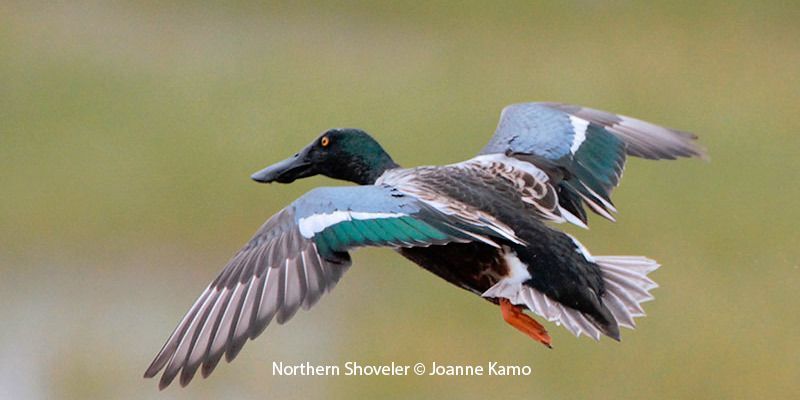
pixel 325 141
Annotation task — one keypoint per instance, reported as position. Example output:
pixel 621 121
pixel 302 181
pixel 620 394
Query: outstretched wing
pixel 295 257
pixel 584 148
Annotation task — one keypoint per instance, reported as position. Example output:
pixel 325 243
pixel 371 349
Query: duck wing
pixel 485 188
pixel 584 149
pixel 295 257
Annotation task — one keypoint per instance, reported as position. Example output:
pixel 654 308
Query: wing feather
pixel 584 149
pixel 280 270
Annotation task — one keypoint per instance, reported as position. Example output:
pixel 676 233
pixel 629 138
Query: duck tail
pixel 626 285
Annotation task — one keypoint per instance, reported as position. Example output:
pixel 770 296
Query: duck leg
pixel 515 317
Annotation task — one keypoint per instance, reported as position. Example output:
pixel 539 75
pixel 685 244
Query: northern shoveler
pixel 479 224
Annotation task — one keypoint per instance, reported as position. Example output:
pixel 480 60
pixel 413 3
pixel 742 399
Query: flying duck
pixel 481 224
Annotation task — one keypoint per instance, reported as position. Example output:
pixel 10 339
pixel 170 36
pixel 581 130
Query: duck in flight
pixel 480 224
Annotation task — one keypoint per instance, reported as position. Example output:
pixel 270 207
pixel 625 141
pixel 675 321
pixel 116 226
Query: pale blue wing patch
pixel 532 128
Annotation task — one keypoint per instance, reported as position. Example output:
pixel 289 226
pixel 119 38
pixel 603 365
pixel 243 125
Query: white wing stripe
pixel 579 126
pixel 311 225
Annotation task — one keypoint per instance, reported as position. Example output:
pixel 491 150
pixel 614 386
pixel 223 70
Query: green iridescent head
pixel 343 153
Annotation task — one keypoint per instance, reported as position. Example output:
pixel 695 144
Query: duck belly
pixel 471 266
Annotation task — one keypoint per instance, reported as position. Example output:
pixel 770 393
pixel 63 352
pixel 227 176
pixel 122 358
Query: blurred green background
pixel 128 132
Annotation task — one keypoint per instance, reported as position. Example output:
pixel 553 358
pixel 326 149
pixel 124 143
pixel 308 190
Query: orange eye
pixel 325 141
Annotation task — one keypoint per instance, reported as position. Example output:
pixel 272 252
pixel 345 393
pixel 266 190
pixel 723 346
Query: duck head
pixel 343 153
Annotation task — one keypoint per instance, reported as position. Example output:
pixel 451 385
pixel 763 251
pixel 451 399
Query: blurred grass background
pixel 128 132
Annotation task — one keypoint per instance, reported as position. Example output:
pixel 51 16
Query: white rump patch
pixel 626 284
pixel 579 126
pixel 310 226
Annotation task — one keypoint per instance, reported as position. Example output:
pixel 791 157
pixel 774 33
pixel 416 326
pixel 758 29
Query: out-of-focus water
pixel 128 133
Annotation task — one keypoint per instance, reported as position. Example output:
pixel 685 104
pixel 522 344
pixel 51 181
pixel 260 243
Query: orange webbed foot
pixel 515 317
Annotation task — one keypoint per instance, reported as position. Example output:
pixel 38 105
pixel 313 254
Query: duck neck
pixel 367 172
